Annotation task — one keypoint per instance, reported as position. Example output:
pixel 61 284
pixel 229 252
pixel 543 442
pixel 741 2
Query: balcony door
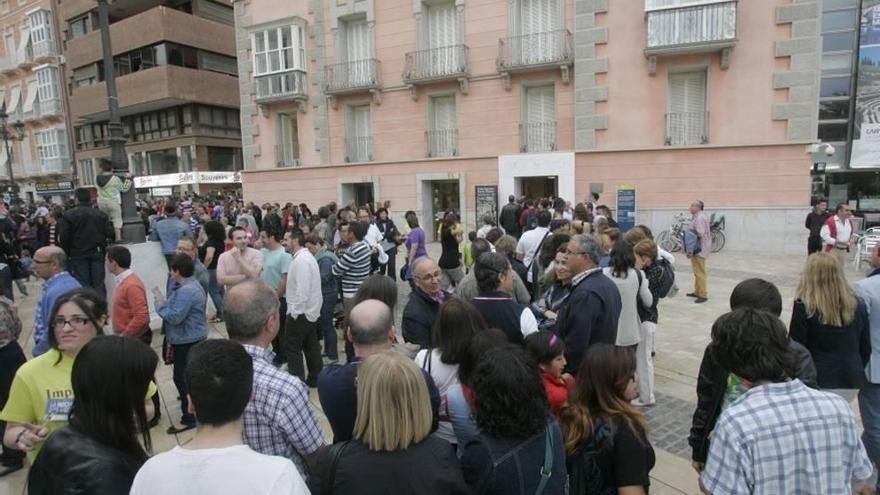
pixel 687 120
pixel 539 129
pixel 357 52
pixel 443 134
pixel 287 151
pixel 538 21
pixel 442 38
pixel 360 135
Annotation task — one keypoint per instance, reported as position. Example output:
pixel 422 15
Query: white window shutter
pixel 444 113
pixel 357 40
pixel 31 96
pixel 687 108
pixel 21 54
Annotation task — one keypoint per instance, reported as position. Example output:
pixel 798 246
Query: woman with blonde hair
pixel 602 431
pixel 832 323
pixel 392 451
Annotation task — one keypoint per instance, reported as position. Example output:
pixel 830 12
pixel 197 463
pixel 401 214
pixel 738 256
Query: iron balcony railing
pixel 535 50
pixel 442 142
pixel 287 155
pixel 354 76
pixel 537 136
pixel 289 85
pixel 446 62
pixel 359 149
pixel 694 27
pixel 687 128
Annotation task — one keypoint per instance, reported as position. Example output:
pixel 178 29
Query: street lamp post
pixel 16 133
pixel 132 227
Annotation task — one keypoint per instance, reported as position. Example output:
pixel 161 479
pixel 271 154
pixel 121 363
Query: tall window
pixel 40 32
pixel 539 127
pixel 287 150
pixel 79 26
pixel 539 19
pixel 840 20
pixel 442 128
pixel 86 173
pixel 687 122
pixel 278 50
pixel 47 88
pixel 52 148
pixel 359 142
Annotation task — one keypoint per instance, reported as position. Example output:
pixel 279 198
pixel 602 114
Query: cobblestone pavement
pixel 682 336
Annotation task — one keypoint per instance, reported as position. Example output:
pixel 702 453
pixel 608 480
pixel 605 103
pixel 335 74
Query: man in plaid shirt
pixel 279 419
pixel 780 436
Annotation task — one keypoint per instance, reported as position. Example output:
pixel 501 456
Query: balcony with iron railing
pixel 281 86
pixel 359 149
pixel 536 137
pixel 687 128
pixel 538 51
pixel 446 63
pixel 707 26
pixel 358 76
pixel 287 155
pixel 443 142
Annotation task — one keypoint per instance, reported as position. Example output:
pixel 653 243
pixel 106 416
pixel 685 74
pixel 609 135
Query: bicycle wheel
pixel 665 241
pixel 718 240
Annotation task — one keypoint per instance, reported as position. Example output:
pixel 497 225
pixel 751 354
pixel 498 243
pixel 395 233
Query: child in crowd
pixel 548 351
pixel 466 253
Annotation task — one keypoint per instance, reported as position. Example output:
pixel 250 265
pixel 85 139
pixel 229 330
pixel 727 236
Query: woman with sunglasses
pixel 42 395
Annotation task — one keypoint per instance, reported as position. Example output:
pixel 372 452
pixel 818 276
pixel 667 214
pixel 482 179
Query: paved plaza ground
pixel 681 338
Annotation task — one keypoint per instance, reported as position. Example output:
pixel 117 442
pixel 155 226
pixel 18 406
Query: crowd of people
pixel 522 362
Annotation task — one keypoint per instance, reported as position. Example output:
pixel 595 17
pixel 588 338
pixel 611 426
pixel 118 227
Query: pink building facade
pixel 423 102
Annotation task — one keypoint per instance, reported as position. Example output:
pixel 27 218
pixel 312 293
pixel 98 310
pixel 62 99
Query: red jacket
pixel 131 314
pixel 557 391
pixel 831 223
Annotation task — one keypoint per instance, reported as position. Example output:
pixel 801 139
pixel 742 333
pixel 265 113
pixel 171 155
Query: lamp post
pixel 132 227
pixel 10 132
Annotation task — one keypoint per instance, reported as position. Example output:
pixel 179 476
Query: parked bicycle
pixel 672 239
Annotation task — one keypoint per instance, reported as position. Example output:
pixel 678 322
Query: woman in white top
pixel 633 287
pixel 456 324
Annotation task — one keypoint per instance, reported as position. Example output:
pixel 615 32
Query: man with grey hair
pixel 467 289
pixel 371 331
pixel 50 264
pixel 279 419
pixel 424 303
pixel 590 315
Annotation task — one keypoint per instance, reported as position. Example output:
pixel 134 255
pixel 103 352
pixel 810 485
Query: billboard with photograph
pixel 866 130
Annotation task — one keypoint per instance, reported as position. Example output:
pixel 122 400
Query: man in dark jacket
pixel 714 380
pixel 590 315
pixel 424 303
pixel 84 235
pixel 509 218
pixel 815 220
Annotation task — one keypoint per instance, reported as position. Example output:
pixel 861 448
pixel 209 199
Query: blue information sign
pixel 626 207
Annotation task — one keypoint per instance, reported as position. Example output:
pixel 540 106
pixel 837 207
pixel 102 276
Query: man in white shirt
pixel 837 233
pixel 304 301
pixel 529 245
pixel 219 373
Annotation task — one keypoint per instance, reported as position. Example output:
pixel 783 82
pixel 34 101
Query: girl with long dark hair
pixel 209 253
pixel 108 432
pixel 450 257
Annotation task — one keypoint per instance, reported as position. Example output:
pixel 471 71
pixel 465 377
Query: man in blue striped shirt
pixel 353 267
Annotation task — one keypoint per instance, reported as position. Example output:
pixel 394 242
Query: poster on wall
pixel 626 207
pixel 486 203
pixel 866 131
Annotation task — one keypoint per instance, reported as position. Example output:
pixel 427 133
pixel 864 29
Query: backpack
pixel 531 221
pixel 667 280
pixel 692 246
pixel 584 473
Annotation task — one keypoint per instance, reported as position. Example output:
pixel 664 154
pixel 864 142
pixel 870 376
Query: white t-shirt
pixel 528 245
pixel 445 376
pixel 234 470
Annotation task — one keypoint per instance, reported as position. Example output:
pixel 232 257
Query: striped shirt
pixel 353 268
pixel 786 438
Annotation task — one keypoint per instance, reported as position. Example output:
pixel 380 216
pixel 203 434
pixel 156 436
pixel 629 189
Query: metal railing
pixel 532 50
pixel 442 142
pixel 287 155
pixel 537 136
pixel 351 76
pixel 436 63
pixel 687 128
pixel 281 86
pixel 359 149
pixel 692 26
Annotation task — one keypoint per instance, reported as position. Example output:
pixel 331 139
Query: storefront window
pixel 163 161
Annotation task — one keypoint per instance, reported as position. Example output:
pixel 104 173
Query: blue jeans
pixel 216 292
pixel 89 270
pixel 869 406
pixel 325 323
